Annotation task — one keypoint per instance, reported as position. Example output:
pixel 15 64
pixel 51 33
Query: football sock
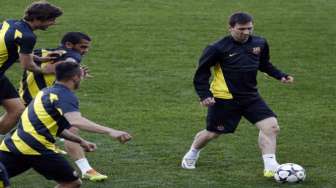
pixel 192 153
pixel 270 162
pixel 83 165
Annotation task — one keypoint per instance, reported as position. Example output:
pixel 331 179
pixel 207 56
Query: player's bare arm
pixel 50 56
pixel 28 63
pixel 77 120
pixel 88 146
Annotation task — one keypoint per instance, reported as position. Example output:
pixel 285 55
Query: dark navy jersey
pixel 70 53
pixel 16 36
pixel 235 68
pixel 32 83
pixel 41 122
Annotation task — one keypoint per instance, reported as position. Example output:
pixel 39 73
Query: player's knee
pixel 21 107
pixel 271 130
pixel 74 184
pixel 78 183
pixel 15 113
pixel 276 129
pixel 269 126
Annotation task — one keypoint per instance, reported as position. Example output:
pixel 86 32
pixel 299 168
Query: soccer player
pixel 17 40
pixel 50 114
pixel 232 94
pixel 74 46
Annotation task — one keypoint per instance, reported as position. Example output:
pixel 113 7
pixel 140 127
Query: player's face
pixel 82 47
pixel 43 25
pixel 241 32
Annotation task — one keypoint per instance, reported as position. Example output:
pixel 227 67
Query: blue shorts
pixel 224 116
pixel 4 181
pixel 51 166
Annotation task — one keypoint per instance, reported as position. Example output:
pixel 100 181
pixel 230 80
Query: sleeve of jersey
pixel 203 72
pixel 67 103
pixel 267 67
pixel 26 44
pixel 72 56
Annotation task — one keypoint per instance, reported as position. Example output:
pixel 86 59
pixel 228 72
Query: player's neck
pixel 67 84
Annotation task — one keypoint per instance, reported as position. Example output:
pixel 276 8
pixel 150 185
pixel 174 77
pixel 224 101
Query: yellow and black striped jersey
pixel 31 83
pixel 41 122
pixel 16 36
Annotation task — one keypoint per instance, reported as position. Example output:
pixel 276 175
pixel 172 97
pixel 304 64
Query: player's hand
pixel 88 146
pixel 287 79
pixel 52 55
pixel 121 136
pixel 208 102
pixel 48 68
pixel 85 72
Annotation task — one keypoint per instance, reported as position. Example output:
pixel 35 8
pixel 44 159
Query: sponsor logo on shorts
pixel 220 127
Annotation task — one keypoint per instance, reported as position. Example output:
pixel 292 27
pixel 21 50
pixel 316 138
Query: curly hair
pixel 42 10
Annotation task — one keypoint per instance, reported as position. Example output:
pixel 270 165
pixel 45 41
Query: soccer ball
pixel 290 172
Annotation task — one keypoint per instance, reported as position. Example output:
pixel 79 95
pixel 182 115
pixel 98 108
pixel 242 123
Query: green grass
pixel 143 57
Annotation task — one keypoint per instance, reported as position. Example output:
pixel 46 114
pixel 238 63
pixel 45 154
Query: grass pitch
pixel 143 58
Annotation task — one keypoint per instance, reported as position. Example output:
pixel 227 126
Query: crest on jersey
pixel 256 50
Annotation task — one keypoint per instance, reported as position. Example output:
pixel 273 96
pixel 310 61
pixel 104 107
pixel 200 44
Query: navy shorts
pixel 51 166
pixel 4 181
pixel 224 116
pixel 7 90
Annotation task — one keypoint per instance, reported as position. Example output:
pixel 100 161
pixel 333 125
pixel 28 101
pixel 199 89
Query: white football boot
pixel 189 162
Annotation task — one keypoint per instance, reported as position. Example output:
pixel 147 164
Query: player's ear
pixel 230 28
pixel 68 45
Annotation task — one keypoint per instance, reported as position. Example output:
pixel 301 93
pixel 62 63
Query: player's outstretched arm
pixel 77 120
pixel 27 63
pixel 50 56
pixel 88 146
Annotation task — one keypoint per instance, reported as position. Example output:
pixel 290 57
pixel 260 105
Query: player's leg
pixel 223 117
pixel 258 113
pixel 56 167
pixel 76 152
pixel 14 165
pixel 268 131
pixel 74 184
pixel 200 141
pixel 13 110
pixel 9 99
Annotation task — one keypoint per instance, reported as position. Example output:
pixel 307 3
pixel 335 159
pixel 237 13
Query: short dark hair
pixel 42 10
pixel 74 37
pixel 240 18
pixel 66 70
